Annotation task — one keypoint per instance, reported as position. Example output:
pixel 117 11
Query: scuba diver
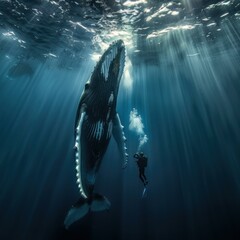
pixel 142 163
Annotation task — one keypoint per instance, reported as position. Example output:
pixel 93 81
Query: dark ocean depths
pixel 182 74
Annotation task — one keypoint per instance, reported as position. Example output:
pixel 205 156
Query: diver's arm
pixel 136 155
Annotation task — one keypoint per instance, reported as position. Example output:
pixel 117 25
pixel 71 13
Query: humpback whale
pixel 96 121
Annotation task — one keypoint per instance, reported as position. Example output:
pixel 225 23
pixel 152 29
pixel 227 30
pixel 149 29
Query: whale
pixel 96 122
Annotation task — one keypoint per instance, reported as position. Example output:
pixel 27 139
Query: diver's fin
pixel 99 203
pixel 144 191
pixel 83 206
pixel 119 137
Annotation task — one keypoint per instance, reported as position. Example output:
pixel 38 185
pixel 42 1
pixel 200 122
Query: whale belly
pixel 91 141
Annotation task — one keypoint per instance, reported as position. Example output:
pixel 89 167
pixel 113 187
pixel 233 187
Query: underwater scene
pixel 119 120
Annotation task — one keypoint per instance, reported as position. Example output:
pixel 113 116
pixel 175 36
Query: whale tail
pixel 84 206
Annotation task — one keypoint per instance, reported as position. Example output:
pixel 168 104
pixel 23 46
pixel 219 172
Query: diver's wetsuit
pixel 142 163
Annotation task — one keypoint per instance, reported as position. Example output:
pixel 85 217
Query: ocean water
pixel 182 75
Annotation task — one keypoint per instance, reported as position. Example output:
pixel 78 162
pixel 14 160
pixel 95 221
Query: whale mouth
pixel 113 60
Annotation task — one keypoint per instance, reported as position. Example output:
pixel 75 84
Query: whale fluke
pixel 83 206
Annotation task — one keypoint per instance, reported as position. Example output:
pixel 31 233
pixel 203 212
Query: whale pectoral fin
pixel 119 137
pixel 81 154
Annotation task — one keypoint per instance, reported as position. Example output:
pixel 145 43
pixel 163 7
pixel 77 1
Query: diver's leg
pixel 141 177
pixel 145 178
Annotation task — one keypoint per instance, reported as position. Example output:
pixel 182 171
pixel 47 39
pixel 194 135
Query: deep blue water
pixel 186 87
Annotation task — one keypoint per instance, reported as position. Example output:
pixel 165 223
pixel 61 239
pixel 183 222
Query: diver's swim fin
pixel 83 206
pixel 144 191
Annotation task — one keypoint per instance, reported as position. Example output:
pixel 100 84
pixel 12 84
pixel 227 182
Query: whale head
pixel 104 83
pixel 109 69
